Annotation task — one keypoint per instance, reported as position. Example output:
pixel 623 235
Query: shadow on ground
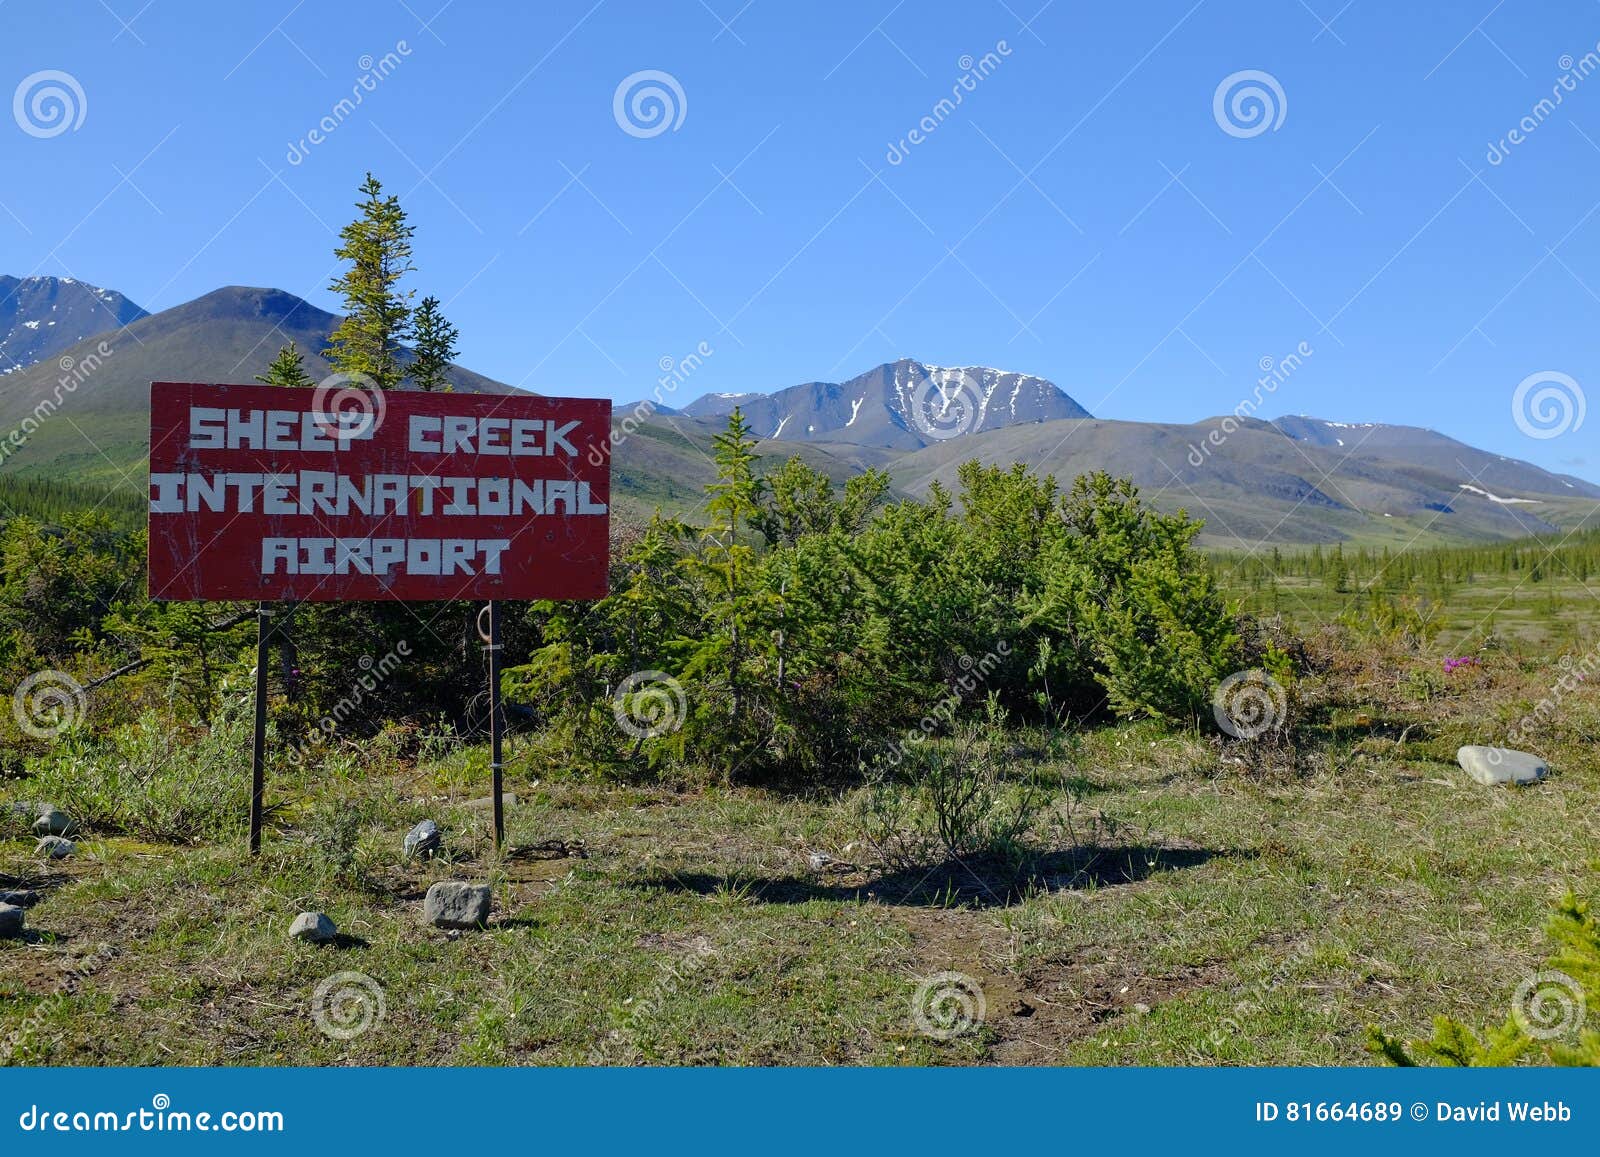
pixel 972 882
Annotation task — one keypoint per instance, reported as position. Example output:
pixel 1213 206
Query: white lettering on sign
pixel 382 556
pixel 502 437
pixel 216 428
pixel 339 495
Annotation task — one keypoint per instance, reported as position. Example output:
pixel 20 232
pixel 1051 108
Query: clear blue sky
pixel 1081 215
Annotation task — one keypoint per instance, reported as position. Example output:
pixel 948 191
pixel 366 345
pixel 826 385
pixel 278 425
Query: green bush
pixel 950 799
pixel 151 779
pixel 1155 624
pixel 806 625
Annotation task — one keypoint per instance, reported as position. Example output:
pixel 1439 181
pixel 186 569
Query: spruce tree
pixel 433 345
pixel 287 369
pixel 377 246
pixel 725 565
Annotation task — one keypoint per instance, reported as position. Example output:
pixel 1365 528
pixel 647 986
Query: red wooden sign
pixel 339 493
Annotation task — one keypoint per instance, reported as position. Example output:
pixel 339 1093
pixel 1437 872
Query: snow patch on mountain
pixel 1497 498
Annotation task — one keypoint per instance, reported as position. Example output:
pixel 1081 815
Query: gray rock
pixel 314 927
pixel 11 921
pixel 26 899
pixel 822 862
pixel 55 847
pixel 424 839
pixel 1491 765
pixel 54 823
pixel 454 904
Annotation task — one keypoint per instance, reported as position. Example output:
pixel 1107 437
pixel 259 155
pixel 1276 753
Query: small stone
pixel 454 904
pixel 1141 1008
pixel 1492 765
pixel 11 921
pixel 423 840
pixel 819 861
pixel 55 848
pixel 314 927
pixel 19 899
pixel 1021 1008
pixel 55 823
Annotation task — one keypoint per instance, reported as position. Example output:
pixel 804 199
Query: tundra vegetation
pixel 812 750
pixel 821 745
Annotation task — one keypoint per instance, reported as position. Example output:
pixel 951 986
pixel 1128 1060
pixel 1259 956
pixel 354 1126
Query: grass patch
pixel 1183 899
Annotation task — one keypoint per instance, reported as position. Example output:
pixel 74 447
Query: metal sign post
pixel 258 750
pixel 491 647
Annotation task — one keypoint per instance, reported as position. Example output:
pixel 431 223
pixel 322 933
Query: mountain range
pixel 41 317
pixel 1291 480
pixel 903 405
